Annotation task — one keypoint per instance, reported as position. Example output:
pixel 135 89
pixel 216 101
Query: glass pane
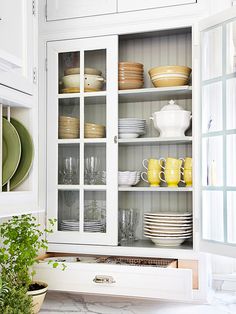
pixel 231 103
pixel 69 77
pixel 68 120
pixel 231 47
pixel 212 53
pixel 231 158
pixel 95 164
pixel 212 216
pixel 95 211
pixel 212 107
pixel 95 117
pixel 212 161
pixel 68 164
pixel 95 70
pixel 231 217
pixel 68 210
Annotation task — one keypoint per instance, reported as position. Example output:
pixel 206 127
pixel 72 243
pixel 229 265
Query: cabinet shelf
pixel 86 141
pixel 154 94
pixel 90 95
pixel 156 141
pixel 154 189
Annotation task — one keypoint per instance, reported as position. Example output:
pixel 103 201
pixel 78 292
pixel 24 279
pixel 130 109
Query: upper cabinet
pixel 67 9
pixel 124 5
pixel 16 45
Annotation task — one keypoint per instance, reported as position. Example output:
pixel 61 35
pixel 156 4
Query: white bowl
pixel 91 82
pixel 128 135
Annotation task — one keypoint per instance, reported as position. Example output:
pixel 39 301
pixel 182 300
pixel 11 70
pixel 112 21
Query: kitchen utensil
pixel 165 76
pixel 11 151
pixel 27 154
pixel 69 174
pixel 172 177
pixel 153 177
pixel 171 123
pixel 187 174
pixel 91 71
pixel 91 82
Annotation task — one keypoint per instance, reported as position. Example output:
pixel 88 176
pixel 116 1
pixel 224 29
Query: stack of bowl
pixel 166 76
pixel 130 75
pixel 92 130
pixel 128 178
pixel 68 127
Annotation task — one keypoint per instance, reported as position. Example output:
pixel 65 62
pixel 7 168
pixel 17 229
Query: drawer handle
pixel 103 279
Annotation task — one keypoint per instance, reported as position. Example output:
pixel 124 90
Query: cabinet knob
pixel 115 139
pixel 103 279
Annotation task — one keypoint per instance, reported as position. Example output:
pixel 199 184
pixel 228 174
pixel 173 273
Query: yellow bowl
pixel 170 69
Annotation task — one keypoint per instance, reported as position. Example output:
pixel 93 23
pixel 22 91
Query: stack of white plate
pixel 70 225
pixel 168 229
pixel 93 226
pixel 89 225
pixel 131 127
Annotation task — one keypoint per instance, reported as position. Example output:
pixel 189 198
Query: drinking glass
pixel 69 171
pixel 133 221
pixel 123 225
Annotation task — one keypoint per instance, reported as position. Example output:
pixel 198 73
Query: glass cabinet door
pixel 82 157
pixel 218 160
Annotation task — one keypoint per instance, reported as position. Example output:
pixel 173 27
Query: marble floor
pixel 56 302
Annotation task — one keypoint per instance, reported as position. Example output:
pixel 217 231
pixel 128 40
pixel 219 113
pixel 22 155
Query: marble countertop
pixel 66 303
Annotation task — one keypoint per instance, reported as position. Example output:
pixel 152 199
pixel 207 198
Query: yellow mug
pixel 188 177
pixel 188 162
pixel 153 177
pixel 171 163
pixel 152 164
pixel 172 177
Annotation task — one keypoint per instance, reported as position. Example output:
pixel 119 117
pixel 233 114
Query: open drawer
pixel 123 280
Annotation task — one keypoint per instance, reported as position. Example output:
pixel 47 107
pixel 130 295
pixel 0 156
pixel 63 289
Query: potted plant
pixel 21 241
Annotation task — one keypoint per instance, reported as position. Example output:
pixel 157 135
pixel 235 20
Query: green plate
pixel 11 151
pixel 27 154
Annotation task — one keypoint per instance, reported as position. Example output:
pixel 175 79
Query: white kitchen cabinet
pixel 19 100
pixel 17 30
pixel 124 6
pixel 181 44
pixel 68 9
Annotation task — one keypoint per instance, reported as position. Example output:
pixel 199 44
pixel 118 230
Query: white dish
pixel 169 214
pixel 168 228
pixel 173 222
pixel 168 242
pixel 128 135
pixel 166 233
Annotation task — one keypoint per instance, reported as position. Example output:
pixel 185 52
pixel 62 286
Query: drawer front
pixel 124 5
pixel 149 282
pixel 67 9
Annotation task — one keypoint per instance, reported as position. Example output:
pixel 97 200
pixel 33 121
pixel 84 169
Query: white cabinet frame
pixel 110 44
pixel 210 246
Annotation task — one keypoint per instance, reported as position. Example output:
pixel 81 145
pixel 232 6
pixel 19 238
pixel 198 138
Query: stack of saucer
pixel 130 75
pixel 93 226
pixel 168 229
pixel 131 127
pixel 68 127
pixel 70 225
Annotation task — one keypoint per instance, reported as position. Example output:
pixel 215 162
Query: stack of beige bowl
pixel 92 130
pixel 130 75
pixel 68 127
pixel 166 76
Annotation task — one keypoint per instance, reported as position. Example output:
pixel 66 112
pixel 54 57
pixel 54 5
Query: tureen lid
pixel 171 106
